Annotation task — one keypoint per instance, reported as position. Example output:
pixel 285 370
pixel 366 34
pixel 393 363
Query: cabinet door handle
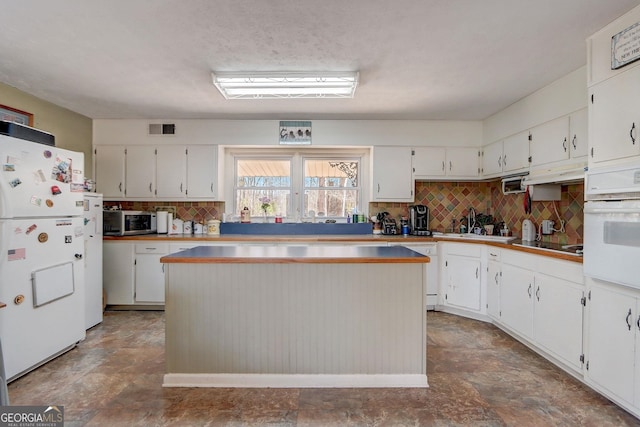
pixel 496 279
pixel 631 132
pixel 150 187
pixel 564 144
pixel 443 165
pixel 120 187
pixel 529 290
pixel 500 161
pixel 477 268
pixel 627 319
pixel 162 268
pixel 573 142
pixel 504 160
pixel 449 165
pixel 638 322
pixel 212 187
pixel 378 187
pixel 538 293
pixel 181 187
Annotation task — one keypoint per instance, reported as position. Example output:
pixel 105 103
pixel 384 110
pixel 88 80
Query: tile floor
pixel 478 375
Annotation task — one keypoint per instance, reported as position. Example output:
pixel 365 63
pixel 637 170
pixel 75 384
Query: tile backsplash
pixel 197 211
pixel 448 201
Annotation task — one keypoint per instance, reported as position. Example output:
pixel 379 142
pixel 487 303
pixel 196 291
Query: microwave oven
pixel 127 223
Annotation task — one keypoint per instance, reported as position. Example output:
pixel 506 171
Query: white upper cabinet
pixel 463 162
pixel 492 159
pixel 578 134
pixel 614 118
pixel 149 172
pixel 109 161
pixel 392 175
pixel 140 172
pixel 559 141
pixel 449 163
pixel 202 172
pixel 614 92
pixel 515 157
pixel 429 162
pixel 550 142
pixel 506 157
pixel 171 171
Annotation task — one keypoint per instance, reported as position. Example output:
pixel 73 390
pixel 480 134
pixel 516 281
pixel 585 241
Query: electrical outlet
pixel 547 226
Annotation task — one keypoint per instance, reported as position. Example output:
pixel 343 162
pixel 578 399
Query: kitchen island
pixel 295 316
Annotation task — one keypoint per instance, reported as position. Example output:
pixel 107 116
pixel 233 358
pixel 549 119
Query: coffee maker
pixel 419 220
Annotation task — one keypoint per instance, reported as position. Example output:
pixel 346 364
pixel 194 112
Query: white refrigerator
pixel 41 253
pixel 92 259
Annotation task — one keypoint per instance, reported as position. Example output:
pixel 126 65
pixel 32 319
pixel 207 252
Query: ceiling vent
pixel 162 129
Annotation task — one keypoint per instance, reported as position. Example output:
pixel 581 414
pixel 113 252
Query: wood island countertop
pixel 296 254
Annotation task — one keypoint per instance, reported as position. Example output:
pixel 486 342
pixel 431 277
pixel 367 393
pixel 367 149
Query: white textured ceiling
pixel 418 59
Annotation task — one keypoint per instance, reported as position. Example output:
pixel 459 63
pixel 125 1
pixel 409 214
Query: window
pixel 330 187
pixel 263 185
pixel 298 185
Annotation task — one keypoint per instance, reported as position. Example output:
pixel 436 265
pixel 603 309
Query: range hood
pixel 571 176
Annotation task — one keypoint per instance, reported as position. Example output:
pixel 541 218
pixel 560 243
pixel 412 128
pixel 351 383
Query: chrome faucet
pixel 471 219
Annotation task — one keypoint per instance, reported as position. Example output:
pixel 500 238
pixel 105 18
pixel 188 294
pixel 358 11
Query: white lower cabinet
pixel 516 299
pixel 494 282
pixel 431 269
pixel 542 300
pixel 149 277
pixel 613 353
pixel 558 318
pixel 132 272
pixel 118 272
pixel 462 271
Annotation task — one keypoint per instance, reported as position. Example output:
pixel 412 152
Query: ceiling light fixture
pixel 270 85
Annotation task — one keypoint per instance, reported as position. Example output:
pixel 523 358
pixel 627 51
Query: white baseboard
pixel 295 381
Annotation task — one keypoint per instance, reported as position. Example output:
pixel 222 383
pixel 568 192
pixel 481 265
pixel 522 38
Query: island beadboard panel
pixel 294 319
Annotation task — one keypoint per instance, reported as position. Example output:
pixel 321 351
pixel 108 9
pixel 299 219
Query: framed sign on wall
pixel 625 46
pixel 295 132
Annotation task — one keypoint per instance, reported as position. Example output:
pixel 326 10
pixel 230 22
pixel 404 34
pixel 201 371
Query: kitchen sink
pixel 472 236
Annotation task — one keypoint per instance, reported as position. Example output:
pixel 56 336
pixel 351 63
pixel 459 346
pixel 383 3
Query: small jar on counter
pixel 213 227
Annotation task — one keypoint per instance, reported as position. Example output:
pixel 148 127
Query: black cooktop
pixel 555 247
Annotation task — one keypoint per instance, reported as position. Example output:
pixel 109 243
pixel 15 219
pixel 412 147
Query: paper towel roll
pixel 170 223
pixel 162 222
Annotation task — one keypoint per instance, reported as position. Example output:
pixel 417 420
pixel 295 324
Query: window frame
pixel 297 157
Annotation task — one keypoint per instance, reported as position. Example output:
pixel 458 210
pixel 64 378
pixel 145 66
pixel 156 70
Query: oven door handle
pixel 611 211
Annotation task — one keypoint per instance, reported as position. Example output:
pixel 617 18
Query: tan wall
pixel 73 131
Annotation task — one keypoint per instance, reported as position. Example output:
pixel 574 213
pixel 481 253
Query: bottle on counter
pixel 245 215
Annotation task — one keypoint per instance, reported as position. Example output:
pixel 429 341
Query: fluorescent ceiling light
pixel 266 85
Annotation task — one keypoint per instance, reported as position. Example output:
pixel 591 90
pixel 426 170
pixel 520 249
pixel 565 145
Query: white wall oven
pixel 612 225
